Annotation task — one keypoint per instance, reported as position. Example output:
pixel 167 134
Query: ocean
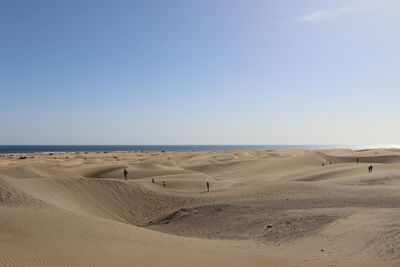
pixel 30 149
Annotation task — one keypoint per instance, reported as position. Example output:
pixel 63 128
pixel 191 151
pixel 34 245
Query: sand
pixel 264 208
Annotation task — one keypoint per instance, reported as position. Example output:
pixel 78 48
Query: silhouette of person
pixel 208 187
pixel 152 180
pixel 358 160
pixel 125 174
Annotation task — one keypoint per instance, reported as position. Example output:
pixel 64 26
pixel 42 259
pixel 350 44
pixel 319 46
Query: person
pixel 164 184
pixel 152 180
pixel 125 174
pixel 208 186
pixel 358 160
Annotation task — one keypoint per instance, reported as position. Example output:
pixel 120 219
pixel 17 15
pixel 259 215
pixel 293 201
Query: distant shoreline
pixel 46 149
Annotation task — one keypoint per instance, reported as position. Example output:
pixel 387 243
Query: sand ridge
pixel 265 208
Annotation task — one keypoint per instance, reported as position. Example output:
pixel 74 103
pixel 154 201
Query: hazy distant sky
pixel 200 72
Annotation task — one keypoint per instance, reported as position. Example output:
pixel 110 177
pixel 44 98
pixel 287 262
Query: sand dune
pixel 265 208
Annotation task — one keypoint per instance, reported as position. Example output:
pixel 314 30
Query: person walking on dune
pixel 370 168
pixel 125 174
pixel 208 187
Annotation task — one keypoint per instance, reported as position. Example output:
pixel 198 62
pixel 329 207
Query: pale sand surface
pixel 77 210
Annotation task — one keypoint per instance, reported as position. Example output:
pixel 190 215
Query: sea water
pixel 29 149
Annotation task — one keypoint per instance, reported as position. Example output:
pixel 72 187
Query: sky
pixel 199 72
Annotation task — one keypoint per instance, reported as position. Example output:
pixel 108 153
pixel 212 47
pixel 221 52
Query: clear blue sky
pixel 200 72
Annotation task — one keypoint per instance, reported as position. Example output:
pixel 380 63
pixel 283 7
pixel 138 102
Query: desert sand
pixel 264 208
